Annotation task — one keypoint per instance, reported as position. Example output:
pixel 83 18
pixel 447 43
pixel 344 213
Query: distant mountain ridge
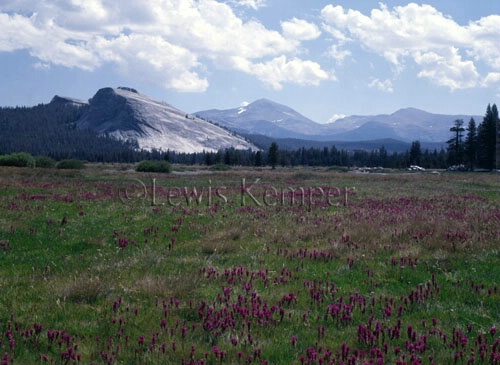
pixel 263 115
pixel 275 120
pixel 407 124
pixel 126 114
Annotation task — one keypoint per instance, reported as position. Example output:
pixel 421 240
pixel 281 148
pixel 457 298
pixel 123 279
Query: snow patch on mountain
pixel 275 120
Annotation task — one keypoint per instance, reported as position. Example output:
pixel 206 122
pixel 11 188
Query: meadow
pixel 248 266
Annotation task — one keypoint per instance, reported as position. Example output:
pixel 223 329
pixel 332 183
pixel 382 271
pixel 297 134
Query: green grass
pixel 107 269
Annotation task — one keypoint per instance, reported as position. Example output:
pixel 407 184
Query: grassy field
pixel 293 266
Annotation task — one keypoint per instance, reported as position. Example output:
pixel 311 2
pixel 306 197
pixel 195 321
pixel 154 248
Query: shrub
pixel 21 159
pixel 154 166
pixel 44 162
pixel 220 167
pixel 70 164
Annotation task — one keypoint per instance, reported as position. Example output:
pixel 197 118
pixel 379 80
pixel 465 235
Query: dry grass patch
pixel 84 289
pixel 176 285
pixel 222 242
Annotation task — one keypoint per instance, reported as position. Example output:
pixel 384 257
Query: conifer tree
pixel 498 140
pixel 487 138
pixel 415 153
pixel 273 155
pixel 470 147
pixel 455 144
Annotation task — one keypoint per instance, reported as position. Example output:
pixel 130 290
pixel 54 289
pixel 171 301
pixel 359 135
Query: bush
pixel 70 164
pixel 21 159
pixel 44 162
pixel 220 167
pixel 154 166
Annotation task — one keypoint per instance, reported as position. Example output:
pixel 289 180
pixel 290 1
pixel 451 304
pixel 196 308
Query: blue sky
pixel 323 58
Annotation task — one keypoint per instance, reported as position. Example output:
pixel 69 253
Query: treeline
pixel 313 157
pixel 476 145
pixel 50 130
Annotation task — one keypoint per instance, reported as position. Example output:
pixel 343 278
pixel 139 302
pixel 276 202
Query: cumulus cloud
pixel 168 42
pixel 41 66
pixel 447 69
pixel 382 85
pixel 154 59
pixel 492 78
pixel 300 29
pixel 338 53
pixel 445 51
pixel 280 70
pixel 254 4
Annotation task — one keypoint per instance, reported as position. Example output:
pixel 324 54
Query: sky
pixel 325 59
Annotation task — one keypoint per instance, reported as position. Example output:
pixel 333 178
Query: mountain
pixel 65 100
pixel 372 129
pixel 126 114
pixel 291 144
pixel 275 120
pixel 408 124
pixel 263 117
pixel 49 130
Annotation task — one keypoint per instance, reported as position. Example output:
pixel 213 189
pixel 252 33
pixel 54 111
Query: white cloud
pixel 17 32
pixel 385 85
pixel 300 30
pixel 435 42
pixel 338 54
pixel 492 78
pixel 485 34
pixel 280 70
pixel 41 66
pixel 447 69
pixel 153 59
pixel 169 42
pixel 254 4
pixel 47 42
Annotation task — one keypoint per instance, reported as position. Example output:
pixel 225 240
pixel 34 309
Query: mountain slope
pixel 64 100
pixel 373 129
pixel 125 114
pixel 279 121
pixel 49 130
pixel 265 117
pixel 408 124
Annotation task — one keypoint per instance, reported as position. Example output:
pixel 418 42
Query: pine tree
pixel 470 148
pixel 455 144
pixel 415 153
pixel 258 158
pixel 487 138
pixel 273 155
pixel 498 138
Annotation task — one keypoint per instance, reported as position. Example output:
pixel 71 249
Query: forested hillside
pixel 49 129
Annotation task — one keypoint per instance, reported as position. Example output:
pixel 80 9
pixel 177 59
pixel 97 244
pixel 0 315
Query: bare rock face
pixel 64 100
pixel 126 114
